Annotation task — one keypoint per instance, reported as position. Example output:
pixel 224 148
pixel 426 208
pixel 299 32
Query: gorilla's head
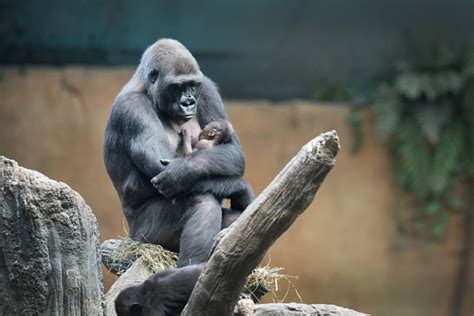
pixel 172 79
pixel 129 302
pixel 164 293
pixel 219 131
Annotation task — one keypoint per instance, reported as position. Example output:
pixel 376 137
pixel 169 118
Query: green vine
pixel 426 115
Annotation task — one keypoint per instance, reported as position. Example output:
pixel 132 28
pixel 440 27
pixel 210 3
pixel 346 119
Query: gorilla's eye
pixel 153 75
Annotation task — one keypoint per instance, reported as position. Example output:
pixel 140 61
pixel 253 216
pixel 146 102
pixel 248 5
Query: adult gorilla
pixel 182 212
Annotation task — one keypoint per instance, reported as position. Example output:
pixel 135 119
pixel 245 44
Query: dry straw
pixel 262 280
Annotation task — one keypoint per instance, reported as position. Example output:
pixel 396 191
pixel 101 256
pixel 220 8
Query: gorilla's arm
pixel 223 188
pixel 143 135
pixel 226 160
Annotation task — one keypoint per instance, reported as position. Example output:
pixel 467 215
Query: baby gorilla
pixel 213 134
pixel 164 293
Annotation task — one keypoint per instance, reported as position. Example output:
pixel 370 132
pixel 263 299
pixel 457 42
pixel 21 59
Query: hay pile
pixel 155 257
pixel 262 280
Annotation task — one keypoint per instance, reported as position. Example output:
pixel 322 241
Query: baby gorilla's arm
pixel 186 146
pixel 204 144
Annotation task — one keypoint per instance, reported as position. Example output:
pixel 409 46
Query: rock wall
pixel 49 259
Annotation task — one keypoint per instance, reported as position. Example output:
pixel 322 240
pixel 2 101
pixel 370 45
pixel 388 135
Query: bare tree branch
pixel 242 246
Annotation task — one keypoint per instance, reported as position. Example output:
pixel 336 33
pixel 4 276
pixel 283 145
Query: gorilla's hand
pixel 174 179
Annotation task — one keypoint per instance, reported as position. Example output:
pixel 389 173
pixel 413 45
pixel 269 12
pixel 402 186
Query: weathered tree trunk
pixel 49 247
pixel 242 246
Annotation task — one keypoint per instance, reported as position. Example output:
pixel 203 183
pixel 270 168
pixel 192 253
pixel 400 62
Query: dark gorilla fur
pixel 164 293
pixel 182 211
pixel 214 134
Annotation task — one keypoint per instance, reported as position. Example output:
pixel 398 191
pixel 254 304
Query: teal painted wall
pixel 270 48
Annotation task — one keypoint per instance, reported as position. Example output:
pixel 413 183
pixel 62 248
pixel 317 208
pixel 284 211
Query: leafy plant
pixel 426 115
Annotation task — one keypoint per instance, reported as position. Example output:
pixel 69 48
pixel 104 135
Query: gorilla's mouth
pixel 187 117
pixel 187 112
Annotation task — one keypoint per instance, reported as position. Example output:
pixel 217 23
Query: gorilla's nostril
pixel 188 102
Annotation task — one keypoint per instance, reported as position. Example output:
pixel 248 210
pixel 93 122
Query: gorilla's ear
pixel 153 75
pixel 135 310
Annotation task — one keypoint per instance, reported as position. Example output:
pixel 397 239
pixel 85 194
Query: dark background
pixel 274 49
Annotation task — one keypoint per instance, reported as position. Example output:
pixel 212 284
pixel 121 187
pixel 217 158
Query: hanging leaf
pixel 454 201
pixel 447 156
pixel 355 121
pixel 415 86
pixel 427 115
pixel 433 207
pixel 410 85
pixel 387 111
pixel 412 153
pixel 447 82
pixel 431 118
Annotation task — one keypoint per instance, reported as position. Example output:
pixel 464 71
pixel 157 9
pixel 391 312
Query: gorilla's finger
pixel 166 192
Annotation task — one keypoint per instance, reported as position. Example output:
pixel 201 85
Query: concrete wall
pixel 344 248
pixel 253 49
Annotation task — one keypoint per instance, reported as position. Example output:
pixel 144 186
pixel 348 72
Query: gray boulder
pixel 49 247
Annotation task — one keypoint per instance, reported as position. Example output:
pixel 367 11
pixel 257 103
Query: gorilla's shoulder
pixel 210 93
pixel 130 104
pixel 209 85
pixel 131 99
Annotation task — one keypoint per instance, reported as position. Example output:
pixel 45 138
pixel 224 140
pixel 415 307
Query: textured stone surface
pixel 49 247
pixel 303 309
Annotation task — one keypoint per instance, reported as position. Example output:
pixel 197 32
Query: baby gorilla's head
pixel 219 132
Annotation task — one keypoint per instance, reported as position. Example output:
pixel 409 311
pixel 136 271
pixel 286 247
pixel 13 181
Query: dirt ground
pixel 344 249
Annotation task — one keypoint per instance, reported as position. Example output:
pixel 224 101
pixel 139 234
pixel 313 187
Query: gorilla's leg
pixel 202 221
pixel 237 189
pixel 241 198
pixel 229 216
pixel 158 222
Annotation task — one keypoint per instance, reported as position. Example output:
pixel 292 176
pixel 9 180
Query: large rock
pixel 49 247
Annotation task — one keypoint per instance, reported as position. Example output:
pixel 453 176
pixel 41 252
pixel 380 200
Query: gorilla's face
pixel 171 78
pixel 181 97
pixel 175 95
